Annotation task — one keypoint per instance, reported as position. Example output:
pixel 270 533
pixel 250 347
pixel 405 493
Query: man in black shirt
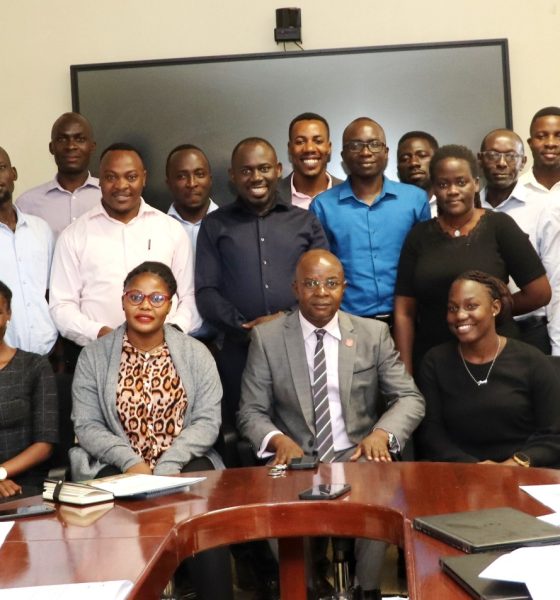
pixel 246 256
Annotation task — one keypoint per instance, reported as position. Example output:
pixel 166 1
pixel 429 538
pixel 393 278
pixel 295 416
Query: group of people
pixel 338 316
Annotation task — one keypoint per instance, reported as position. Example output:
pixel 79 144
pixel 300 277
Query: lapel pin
pixel 349 343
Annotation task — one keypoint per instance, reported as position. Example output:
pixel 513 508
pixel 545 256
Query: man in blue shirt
pixel 366 220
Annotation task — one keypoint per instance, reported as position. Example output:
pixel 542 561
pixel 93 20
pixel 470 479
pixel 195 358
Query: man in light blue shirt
pixel 189 179
pixel 366 220
pixel 26 248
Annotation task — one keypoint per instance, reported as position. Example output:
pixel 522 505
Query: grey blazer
pixel 276 391
pixel 103 441
pixel 284 187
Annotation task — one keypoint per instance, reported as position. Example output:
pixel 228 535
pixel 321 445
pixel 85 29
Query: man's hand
pixel 374 447
pixel 284 448
pixel 259 320
pixel 141 468
pixel 9 488
pixel 104 331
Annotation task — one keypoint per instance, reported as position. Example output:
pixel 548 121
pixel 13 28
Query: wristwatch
pixel 3 474
pixel 521 459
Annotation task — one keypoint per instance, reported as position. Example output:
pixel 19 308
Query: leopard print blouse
pixel 151 400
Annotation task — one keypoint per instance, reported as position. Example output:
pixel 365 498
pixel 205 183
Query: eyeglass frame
pixel 374 149
pixel 329 284
pixel 510 157
pixel 166 298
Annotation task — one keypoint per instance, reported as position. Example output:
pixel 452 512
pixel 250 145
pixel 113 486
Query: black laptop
pixel 490 529
pixel 465 570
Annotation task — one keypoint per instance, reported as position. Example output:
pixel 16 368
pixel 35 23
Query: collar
pixel 305 196
pixel 519 194
pixel 145 209
pixel 529 180
pixel 308 329
pixel 278 204
pixel 89 182
pixel 389 190
pixel 172 212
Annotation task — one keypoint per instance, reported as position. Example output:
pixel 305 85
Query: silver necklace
pixel 484 381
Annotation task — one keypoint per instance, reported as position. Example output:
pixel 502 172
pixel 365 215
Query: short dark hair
pixel 252 140
pixel 454 151
pixel 423 135
pixel 308 116
pixel 497 289
pixel 6 293
pixel 121 146
pixel 179 148
pixel 156 268
pixel 548 111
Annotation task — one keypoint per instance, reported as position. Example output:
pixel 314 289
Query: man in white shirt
pixel 543 182
pixel 189 179
pixel 73 191
pixel 309 148
pixel 502 157
pixel 26 247
pixel 94 254
pixel 283 391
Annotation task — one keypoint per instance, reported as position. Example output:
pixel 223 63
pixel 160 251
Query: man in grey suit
pixel 309 148
pixel 279 405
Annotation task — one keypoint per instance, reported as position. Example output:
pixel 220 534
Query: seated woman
pixel 489 398
pixel 28 413
pixel 146 399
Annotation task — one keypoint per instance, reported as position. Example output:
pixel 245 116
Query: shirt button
pixel 266 286
pixel 264 262
pixel 262 239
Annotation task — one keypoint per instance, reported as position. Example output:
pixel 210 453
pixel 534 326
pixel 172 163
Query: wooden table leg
pixel 293 582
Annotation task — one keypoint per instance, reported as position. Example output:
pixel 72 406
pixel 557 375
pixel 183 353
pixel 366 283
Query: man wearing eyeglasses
pixel 366 220
pixel 312 387
pixel 502 158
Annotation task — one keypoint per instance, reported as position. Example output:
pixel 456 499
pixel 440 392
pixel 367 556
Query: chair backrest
pixel 59 457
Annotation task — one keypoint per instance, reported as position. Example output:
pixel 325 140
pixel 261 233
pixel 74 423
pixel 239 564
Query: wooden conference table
pixel 145 540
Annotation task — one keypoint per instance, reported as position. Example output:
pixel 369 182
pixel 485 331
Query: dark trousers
pixel 534 331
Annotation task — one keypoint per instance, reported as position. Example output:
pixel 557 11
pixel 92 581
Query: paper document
pixel 5 527
pixel 552 518
pixel 100 590
pixel 549 494
pixel 536 567
pixel 123 486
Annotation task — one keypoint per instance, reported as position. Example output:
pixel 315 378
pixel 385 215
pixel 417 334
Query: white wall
pixel 40 40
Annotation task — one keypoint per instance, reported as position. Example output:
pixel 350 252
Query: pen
pixel 149 244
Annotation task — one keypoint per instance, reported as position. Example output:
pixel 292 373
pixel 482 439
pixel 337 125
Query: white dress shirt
pixel 549 236
pixel 93 256
pixel 57 206
pixel 525 209
pixel 331 341
pixel 25 262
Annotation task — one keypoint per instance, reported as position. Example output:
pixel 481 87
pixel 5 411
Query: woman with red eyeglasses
pixel 146 397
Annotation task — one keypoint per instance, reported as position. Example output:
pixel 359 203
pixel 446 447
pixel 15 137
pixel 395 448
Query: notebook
pixel 465 569
pixel 490 529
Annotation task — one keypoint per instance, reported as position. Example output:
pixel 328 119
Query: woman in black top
pixel 461 237
pixel 489 398
pixel 28 413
